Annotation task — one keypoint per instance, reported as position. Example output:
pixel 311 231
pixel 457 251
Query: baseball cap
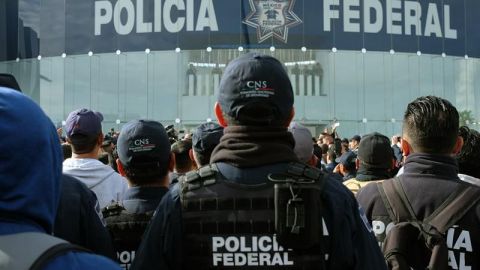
pixel 84 122
pixel 347 158
pixel 303 141
pixel 254 79
pixel 375 151
pixel 143 142
pixel 206 136
pixel 356 138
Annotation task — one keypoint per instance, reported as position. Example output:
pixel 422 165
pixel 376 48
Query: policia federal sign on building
pixel 434 27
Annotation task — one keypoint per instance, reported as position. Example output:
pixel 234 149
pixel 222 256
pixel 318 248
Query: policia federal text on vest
pixel 274 224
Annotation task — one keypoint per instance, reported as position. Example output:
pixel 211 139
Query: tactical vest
pixel 231 225
pixel 126 230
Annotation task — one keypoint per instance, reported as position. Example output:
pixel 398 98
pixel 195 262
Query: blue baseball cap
pixel 84 122
pixel 206 137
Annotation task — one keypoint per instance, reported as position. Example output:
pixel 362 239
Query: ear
pixel 171 164
pixel 406 148
pixel 392 166
pixel 219 115
pixel 120 168
pixel 290 117
pixel 190 154
pixel 357 163
pixel 313 161
pixel 458 145
pixel 100 139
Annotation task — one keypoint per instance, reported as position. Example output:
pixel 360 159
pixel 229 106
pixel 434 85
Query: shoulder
pixel 80 261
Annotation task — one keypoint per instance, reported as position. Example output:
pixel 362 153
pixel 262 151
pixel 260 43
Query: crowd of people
pixel 256 190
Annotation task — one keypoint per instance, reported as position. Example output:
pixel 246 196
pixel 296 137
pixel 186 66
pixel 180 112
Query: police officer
pixel 144 159
pixel 430 140
pixel 256 205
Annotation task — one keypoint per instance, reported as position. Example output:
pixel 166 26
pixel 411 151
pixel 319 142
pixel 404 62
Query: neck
pixel 92 155
pixel 158 183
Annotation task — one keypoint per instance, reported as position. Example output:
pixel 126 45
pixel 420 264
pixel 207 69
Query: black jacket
pixel 351 245
pixel 79 219
pixel 428 180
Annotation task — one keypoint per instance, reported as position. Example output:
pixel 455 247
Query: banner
pixel 104 26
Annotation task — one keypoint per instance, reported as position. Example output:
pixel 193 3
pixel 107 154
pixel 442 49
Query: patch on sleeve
pixel 364 219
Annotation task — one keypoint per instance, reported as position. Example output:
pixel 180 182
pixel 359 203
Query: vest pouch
pixel 297 215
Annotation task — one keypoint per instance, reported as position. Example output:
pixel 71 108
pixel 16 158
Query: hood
pixel 90 171
pixel 30 162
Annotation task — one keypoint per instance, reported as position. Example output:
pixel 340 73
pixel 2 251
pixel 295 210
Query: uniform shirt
pixel 351 244
pixel 428 180
pixel 143 199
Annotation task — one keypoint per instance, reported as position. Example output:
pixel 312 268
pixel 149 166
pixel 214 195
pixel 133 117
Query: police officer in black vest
pixel 255 205
pixel 144 159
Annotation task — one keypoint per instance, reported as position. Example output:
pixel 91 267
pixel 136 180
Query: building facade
pixel 356 63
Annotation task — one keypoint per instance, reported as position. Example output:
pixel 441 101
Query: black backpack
pixel 420 244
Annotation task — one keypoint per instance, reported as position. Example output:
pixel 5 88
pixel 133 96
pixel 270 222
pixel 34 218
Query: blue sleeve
pixel 81 261
pixel 162 244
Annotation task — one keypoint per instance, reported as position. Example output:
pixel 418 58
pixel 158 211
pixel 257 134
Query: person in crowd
pixel 31 172
pixel 79 219
pixel 84 134
pixel 144 159
pixel 183 162
pixel 303 146
pixel 331 163
pixel 469 157
pixel 430 141
pixel 374 161
pixel 228 202
pixel 325 138
pixel 354 143
pixel 346 165
pixel 204 139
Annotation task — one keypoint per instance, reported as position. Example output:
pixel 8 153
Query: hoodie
pixel 30 173
pixel 108 185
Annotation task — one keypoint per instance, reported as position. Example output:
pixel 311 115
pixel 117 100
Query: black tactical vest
pixel 231 225
pixel 126 230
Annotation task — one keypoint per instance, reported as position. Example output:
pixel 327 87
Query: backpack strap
pixel 395 200
pixel 454 208
pixel 41 248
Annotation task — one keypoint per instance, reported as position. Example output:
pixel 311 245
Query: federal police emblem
pixel 272 18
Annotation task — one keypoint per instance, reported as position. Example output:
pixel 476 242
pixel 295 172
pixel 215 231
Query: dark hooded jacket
pixel 30 173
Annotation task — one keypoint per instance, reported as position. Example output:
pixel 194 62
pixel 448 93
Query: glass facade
pixel 363 90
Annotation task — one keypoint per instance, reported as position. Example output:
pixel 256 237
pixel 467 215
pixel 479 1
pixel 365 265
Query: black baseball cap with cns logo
pixel 254 79
pixel 143 143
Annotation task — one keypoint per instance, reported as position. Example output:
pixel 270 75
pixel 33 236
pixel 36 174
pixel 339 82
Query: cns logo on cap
pixel 272 18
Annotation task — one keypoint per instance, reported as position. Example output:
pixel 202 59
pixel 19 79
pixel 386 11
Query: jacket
pixel 351 245
pixel 79 219
pixel 108 185
pixel 30 169
pixel 428 180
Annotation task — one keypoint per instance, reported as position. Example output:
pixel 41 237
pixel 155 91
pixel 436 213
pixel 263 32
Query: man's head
pixel 346 163
pixel 354 142
pixel 326 138
pixel 144 153
pixel 430 125
pixel 469 157
pixel 255 90
pixel 204 139
pixel 31 162
pixel 303 143
pixel 375 152
pixel 396 139
pixel 181 150
pixel 84 131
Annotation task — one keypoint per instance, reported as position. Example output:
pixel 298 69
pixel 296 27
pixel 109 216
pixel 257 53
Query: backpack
pixel 421 244
pixel 126 230
pixel 32 250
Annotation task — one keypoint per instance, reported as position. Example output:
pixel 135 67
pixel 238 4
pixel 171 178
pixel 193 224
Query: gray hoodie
pixel 108 185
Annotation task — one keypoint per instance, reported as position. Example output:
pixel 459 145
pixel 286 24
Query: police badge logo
pixel 272 18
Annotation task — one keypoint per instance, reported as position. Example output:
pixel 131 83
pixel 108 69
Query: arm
pixel 161 247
